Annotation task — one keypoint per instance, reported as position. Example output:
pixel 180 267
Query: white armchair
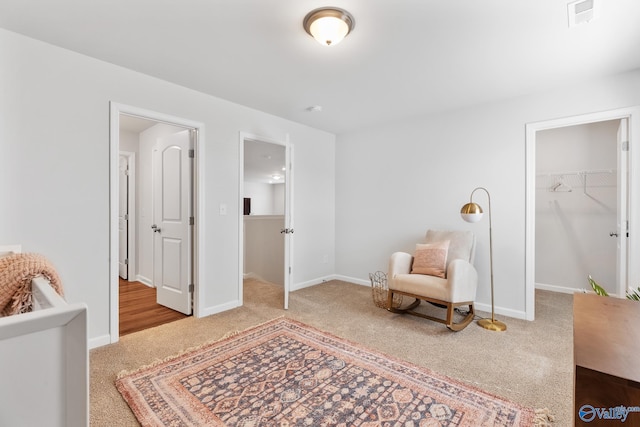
pixel 456 287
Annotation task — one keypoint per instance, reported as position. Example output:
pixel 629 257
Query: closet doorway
pixel 581 204
pixel 578 204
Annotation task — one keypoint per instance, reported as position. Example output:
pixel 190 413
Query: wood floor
pixel 139 310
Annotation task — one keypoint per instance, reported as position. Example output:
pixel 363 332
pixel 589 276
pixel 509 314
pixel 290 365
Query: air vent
pixel 582 12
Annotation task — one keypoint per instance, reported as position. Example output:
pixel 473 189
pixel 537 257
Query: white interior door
pixel 171 228
pixel 288 222
pixel 123 217
pixel 622 226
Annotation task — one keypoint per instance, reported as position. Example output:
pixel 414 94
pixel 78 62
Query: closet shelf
pixel 576 180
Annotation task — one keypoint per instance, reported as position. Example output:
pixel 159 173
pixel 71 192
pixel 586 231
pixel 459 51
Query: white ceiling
pixel 135 124
pixel 405 58
pixel 263 161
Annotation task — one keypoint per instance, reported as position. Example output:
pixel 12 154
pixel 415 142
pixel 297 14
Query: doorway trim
pixel 115 109
pixel 131 225
pixel 633 116
pixel 246 136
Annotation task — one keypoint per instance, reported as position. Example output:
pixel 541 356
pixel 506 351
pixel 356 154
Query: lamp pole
pixel 472 212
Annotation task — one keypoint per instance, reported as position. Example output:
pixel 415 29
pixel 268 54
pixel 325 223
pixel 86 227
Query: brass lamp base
pixel 492 325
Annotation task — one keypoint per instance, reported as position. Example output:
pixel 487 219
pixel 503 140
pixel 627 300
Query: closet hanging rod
pixel 578 173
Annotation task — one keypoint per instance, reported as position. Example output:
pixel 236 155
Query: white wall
pixel 266 199
pixel 278 196
pixel 129 141
pixel 54 165
pixel 397 180
pixel 264 247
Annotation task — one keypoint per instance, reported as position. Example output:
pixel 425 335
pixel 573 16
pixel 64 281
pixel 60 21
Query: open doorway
pixel 155 279
pixel 582 197
pixel 577 207
pixel 266 224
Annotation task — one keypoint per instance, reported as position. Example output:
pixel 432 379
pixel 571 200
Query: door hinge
pixel 126 217
pixel 625 145
pixel 191 287
pixel 192 153
pixel 126 262
pixel 289 270
pixel 192 220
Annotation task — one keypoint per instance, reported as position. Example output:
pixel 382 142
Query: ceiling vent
pixel 582 12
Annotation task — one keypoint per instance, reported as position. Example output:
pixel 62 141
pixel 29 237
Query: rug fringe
pixel 231 334
pixel 157 362
pixel 543 418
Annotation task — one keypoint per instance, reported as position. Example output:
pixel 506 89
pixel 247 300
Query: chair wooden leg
pixel 462 324
pixel 448 306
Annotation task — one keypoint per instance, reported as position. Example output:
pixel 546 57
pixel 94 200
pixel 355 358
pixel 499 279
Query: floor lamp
pixel 472 212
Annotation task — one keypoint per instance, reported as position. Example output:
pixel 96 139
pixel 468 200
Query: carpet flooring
pixel 530 363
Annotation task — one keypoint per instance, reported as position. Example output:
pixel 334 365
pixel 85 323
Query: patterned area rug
pixel 284 373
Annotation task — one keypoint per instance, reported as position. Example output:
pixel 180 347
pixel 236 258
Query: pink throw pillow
pixel 431 259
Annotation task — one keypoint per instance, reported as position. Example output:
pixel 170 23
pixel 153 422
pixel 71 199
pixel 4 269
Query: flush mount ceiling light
pixel 328 25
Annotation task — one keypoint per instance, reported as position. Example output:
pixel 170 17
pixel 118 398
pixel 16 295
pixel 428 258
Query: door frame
pixel 633 116
pixel 115 109
pixel 131 225
pixel 288 215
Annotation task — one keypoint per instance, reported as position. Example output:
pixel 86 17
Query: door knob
pixel 613 234
pixel 155 228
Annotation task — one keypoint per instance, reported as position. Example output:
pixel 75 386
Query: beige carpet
pixel 531 363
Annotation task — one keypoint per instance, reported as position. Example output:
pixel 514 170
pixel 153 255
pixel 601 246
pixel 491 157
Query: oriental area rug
pixel 284 373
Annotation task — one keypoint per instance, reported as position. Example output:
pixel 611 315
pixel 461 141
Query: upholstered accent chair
pixel 441 272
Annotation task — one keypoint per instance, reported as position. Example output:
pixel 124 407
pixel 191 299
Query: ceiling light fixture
pixel 328 25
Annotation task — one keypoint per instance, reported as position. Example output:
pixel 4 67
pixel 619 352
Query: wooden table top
pixel 606 335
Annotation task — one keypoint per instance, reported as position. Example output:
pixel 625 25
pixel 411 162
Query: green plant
pixel 632 294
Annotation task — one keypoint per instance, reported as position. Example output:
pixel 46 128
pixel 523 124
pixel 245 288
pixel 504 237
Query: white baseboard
pixel 309 283
pixel 144 280
pixel 566 290
pixel 99 341
pixel 555 288
pixel 516 314
pixel 208 311
pixel 352 280
pixel 328 279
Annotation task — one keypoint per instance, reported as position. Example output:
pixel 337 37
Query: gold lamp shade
pixel 471 212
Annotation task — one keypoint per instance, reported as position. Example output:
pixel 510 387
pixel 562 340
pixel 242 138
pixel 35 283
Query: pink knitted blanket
pixel 16 272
